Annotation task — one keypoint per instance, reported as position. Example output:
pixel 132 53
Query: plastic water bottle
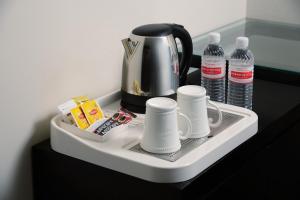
pixel 240 75
pixel 213 69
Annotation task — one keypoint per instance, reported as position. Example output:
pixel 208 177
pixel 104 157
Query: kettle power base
pixel 123 153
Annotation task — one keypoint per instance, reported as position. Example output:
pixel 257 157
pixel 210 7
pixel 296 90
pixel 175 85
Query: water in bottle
pixel 213 69
pixel 240 75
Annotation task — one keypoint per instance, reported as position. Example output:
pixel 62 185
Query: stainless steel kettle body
pixel 151 66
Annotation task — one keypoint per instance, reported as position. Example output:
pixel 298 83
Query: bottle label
pixel 241 74
pixel 213 71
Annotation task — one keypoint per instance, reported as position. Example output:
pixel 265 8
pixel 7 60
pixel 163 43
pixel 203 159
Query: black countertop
pixel 276 102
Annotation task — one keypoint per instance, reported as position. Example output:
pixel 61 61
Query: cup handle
pixel 220 116
pixel 188 122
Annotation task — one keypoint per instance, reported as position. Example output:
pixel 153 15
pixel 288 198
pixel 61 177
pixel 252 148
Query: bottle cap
pixel 242 43
pixel 214 38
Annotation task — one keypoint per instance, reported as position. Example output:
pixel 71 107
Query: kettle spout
pixel 130 47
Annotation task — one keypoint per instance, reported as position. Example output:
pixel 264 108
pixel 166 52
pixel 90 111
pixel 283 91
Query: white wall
pixel 51 50
pixel 287 11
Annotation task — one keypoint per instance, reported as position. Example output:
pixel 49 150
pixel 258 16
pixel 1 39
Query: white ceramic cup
pixel 161 134
pixel 192 101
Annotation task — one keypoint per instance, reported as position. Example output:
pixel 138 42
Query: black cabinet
pixel 273 173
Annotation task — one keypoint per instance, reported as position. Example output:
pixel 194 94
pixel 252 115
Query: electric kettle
pixel 151 66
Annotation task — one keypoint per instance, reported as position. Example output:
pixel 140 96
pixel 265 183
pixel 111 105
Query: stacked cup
pixel 168 121
pixel 161 134
pixel 192 101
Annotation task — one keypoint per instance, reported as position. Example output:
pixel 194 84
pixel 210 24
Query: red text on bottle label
pixel 241 74
pixel 213 71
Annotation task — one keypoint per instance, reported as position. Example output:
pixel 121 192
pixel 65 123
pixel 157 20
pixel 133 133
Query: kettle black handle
pixel 187 51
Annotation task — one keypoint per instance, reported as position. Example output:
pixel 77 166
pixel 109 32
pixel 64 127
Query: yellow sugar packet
pixel 92 111
pixel 79 118
pixel 80 99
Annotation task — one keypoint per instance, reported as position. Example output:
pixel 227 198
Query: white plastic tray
pixel 122 153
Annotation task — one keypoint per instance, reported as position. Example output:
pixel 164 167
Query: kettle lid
pixel 153 30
